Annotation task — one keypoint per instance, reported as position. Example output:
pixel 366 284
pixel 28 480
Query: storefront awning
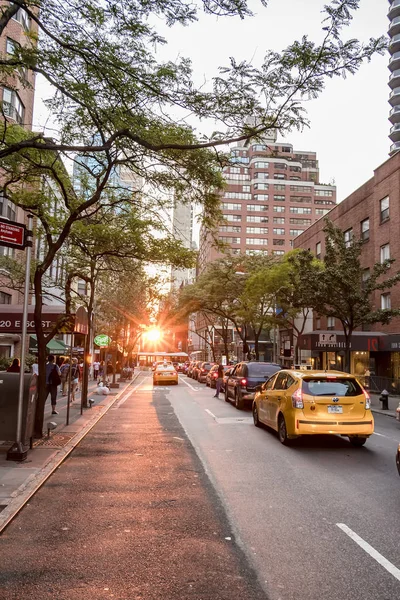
pixel 53 347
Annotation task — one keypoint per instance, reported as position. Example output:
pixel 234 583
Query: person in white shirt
pixel 96 367
pixel 35 367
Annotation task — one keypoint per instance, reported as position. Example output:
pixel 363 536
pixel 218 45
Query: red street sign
pixel 12 234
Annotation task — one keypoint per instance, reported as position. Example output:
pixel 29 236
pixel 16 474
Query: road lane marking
pixel 126 396
pixel 386 436
pixel 371 551
pixel 188 384
pixel 210 413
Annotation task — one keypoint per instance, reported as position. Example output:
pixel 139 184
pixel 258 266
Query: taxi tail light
pixel 297 399
pixel 215 375
pixel 243 381
pixel 203 370
pixel 367 399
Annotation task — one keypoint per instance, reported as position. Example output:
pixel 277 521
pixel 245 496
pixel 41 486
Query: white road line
pixel 210 413
pixel 126 396
pixel 188 384
pixel 386 436
pixel 371 551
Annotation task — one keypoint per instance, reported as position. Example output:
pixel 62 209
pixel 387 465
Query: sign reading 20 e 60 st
pixel 12 234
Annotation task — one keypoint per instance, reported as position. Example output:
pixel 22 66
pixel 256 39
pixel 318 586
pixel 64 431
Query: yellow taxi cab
pixel 165 373
pixel 298 403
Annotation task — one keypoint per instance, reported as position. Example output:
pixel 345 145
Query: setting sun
pixel 153 335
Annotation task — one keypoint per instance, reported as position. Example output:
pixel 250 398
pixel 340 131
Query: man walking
pixel 219 382
pixel 53 380
pixel 96 367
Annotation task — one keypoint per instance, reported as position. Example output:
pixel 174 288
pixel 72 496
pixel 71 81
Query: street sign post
pixel 12 234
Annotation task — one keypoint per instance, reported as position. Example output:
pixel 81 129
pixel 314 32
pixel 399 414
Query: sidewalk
pixel 20 480
pixel 376 406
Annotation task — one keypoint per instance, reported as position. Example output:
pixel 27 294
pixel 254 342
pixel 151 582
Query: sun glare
pixel 153 335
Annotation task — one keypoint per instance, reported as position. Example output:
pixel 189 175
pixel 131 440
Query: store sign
pixel 12 234
pixel 102 340
pixel 12 322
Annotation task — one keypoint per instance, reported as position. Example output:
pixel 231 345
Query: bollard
pixel 384 399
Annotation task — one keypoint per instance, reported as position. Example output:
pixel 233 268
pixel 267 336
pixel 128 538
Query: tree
pixel 345 290
pixel 294 297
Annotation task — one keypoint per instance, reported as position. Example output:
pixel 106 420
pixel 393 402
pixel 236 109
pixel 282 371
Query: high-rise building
pixel 394 80
pixel 273 194
pixel 182 230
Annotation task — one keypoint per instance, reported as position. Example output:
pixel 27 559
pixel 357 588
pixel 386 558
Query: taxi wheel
pixel 256 420
pixel 358 441
pixel 282 431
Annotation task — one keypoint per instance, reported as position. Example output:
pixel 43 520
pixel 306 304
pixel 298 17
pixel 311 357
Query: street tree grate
pixel 57 440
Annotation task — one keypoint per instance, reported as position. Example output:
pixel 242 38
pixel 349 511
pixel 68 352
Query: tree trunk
pixel 85 377
pixel 347 358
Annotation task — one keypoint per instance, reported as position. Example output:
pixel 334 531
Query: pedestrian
pixel 96 367
pixel 14 367
pixel 53 380
pixel 64 376
pixel 35 367
pixel 81 367
pixel 74 378
pixel 219 382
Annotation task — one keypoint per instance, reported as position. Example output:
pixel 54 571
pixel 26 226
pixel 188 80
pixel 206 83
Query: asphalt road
pixel 319 520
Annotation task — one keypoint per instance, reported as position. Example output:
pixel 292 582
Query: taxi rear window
pixel 324 386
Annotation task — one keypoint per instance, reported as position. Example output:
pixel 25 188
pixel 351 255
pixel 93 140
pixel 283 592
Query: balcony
pixel 394 148
pixel 394 26
pixel 394 44
pixel 394 79
pixel 395 133
pixel 394 62
pixel 394 10
pixel 394 116
pixel 394 98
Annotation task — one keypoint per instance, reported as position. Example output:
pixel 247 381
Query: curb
pixel 29 488
pixel 379 411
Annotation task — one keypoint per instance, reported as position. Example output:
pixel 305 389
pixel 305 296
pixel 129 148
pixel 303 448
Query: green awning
pixel 53 347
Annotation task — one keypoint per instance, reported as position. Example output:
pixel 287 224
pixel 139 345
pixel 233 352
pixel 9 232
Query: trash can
pixel 9 386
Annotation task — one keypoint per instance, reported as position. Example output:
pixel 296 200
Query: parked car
pixel 398 459
pixel 298 403
pixel 212 375
pixel 204 368
pixel 165 374
pixel 185 368
pixel 190 368
pixel 246 376
pixel 196 368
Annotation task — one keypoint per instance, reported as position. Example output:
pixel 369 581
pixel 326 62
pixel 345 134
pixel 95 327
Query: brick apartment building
pixel 17 107
pixel 372 213
pixel 273 194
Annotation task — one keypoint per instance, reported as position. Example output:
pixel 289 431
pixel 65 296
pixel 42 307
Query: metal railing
pixel 376 384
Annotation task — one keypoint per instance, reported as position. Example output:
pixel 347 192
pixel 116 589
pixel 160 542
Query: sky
pixel 349 121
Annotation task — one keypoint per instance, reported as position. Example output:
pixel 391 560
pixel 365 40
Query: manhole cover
pixel 58 440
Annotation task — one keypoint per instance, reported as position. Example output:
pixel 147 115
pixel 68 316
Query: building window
pixel 318 250
pixel 12 105
pixel 300 222
pixel 279 176
pixel 260 197
pixel 295 169
pixel 246 188
pixel 385 253
pixel 261 186
pixel 230 228
pixel 286 149
pixel 22 18
pixel 365 275
pixel 279 209
pixel 258 147
pixel 82 288
pixel 257 207
pixel 348 237
pixel 278 252
pixel 279 198
pixel 256 241
pixel 279 242
pixel 384 207
pixel 318 323
pixel 321 212
pixel 256 219
pixel 365 230
pixel 226 206
pixel 303 199
pixel 260 230
pixel 233 217
pixel 331 323
pixel 325 193
pixel 279 220
pixel 11 46
pixel 261 176
pixel 300 210
pixel 279 187
pixel 229 240
pixel 261 165
pixel 5 298
pixel 300 188
pixel 279 231
pixel 385 302
pixel 238 195
pixel 295 232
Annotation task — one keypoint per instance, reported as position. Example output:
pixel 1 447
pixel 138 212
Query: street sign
pixel 327 338
pixel 12 234
pixel 11 322
pixel 102 340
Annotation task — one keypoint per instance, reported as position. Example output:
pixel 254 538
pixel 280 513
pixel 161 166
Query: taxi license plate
pixel 335 409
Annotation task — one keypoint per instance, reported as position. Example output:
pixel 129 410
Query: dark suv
pixel 246 376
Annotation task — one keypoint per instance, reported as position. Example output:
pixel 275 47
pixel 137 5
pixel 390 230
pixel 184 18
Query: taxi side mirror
pixel 258 388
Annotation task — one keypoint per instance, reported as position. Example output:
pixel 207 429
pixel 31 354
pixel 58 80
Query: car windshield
pixel 165 368
pixel 327 386
pixel 261 369
pixel 206 367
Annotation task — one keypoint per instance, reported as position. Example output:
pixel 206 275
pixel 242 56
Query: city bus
pixel 147 359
